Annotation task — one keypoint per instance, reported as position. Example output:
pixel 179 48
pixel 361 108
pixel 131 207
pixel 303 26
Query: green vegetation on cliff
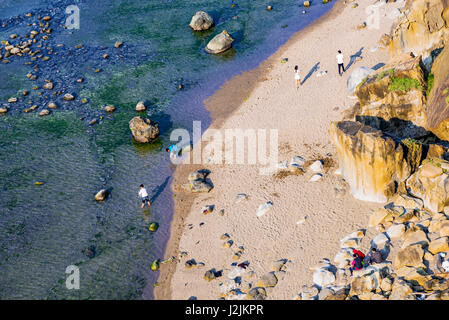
pixel 404 84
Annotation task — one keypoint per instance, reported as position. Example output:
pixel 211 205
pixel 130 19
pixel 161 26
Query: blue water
pixel 44 229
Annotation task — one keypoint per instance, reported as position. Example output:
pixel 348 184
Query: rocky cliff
pixel 401 117
pixel 423 29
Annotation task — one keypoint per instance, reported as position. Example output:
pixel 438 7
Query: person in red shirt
pixel 359 254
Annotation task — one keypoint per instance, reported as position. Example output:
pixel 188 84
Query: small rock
pixel 118 44
pixel 140 107
pixel 263 208
pixel 101 195
pixel 44 112
pixel 239 197
pixel 69 97
pixel 316 177
pixel 109 108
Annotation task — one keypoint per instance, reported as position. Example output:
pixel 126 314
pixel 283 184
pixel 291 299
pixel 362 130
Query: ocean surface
pixel 45 228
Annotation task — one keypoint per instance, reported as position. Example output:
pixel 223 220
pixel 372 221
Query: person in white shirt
pixel 143 194
pixel 340 62
pixel 297 77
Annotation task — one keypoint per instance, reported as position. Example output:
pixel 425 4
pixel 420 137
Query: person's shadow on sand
pixel 358 54
pixel 314 68
pixel 158 190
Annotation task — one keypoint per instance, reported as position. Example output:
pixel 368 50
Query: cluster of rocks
pixel 38 48
pixel 298 166
pixel 411 272
pixel 202 21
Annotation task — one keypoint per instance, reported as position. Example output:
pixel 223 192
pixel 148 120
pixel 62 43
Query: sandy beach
pixel 307 219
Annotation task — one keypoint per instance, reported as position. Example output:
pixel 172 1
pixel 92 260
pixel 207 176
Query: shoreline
pixel 239 87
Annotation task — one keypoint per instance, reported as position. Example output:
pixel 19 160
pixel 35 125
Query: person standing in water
pixel 297 77
pixel 340 62
pixel 143 194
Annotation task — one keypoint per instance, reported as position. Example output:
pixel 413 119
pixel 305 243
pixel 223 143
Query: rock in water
pixel 109 108
pixel 69 97
pixel 44 112
pixel 140 107
pixel 101 195
pixel 201 21
pixel 356 77
pixel 155 265
pixel 263 208
pixel 220 43
pixel 144 130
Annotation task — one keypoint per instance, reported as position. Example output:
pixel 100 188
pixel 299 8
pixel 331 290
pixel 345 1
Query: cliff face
pixel 397 91
pixel 438 102
pixel 373 164
pixel 423 28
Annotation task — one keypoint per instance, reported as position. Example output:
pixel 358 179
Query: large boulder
pixel 431 184
pixel 372 163
pixel 401 290
pixel 396 91
pixel 439 245
pixel 323 277
pixel 356 77
pixel 201 21
pixel 144 130
pixel 411 256
pixel 220 43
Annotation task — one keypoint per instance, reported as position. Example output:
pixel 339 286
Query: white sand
pixel 302 118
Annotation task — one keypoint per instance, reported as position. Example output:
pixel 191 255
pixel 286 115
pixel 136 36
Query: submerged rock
pixel 144 130
pixel 220 43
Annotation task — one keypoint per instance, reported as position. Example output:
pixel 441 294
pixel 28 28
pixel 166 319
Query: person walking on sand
pixel 143 194
pixel 297 78
pixel 340 62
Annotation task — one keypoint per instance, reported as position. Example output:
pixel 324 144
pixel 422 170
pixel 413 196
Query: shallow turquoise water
pixel 44 229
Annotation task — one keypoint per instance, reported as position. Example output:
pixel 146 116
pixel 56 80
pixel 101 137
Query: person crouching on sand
pixel 173 149
pixel 143 194
pixel 297 77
